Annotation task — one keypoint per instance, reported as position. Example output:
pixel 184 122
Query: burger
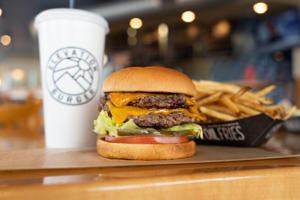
pixel 147 113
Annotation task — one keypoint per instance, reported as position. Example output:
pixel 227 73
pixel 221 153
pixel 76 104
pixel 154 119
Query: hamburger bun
pixel 145 151
pixel 149 79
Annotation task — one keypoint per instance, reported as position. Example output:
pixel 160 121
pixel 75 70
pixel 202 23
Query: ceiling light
pixel 163 30
pixel 136 23
pixel 260 7
pixel 18 74
pixel 5 40
pixel 188 16
pixel 221 29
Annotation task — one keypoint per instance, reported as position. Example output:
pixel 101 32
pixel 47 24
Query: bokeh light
pixel 131 32
pixel 221 29
pixel 135 23
pixel 260 7
pixel 188 16
pixel 105 59
pixel 132 41
pixel 5 40
pixel 163 30
pixel 18 74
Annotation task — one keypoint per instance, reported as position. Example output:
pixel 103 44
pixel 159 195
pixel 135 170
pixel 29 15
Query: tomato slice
pixel 148 139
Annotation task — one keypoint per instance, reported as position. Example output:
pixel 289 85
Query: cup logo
pixel 72 76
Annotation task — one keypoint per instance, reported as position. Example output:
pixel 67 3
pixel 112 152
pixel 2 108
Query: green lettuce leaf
pixel 195 128
pixel 104 124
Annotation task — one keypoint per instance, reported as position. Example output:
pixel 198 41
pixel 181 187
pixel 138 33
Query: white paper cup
pixel 71 46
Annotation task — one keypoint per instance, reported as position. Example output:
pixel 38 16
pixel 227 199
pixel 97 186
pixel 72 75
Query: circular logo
pixel 72 76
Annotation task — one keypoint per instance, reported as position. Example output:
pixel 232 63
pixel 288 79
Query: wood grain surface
pixel 33 178
pixel 87 158
pixel 256 179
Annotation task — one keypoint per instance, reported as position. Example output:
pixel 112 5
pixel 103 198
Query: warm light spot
pixel 18 74
pixel 132 41
pixel 135 23
pixel 163 30
pixel 221 29
pixel 1 11
pixel 192 31
pixel 5 40
pixel 279 56
pixel 260 7
pixel 131 32
pixel 105 59
pixel 188 16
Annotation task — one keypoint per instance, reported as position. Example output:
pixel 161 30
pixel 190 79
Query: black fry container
pixel 292 125
pixel 247 132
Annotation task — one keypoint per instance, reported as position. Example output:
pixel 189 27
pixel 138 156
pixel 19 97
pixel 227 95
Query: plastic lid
pixel 70 13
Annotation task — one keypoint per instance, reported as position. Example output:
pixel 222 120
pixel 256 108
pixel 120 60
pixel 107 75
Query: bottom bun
pixel 145 151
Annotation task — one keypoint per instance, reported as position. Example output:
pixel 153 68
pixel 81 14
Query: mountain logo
pixel 72 76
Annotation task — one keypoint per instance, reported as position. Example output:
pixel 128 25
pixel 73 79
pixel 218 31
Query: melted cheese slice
pixel 120 114
pixel 122 99
pixel 120 111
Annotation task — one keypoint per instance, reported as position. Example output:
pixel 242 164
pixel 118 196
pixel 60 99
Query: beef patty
pixel 163 121
pixel 155 101
pixel 160 101
pixel 156 120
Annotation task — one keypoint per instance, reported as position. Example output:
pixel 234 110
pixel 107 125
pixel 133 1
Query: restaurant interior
pixel 249 43
pixel 237 41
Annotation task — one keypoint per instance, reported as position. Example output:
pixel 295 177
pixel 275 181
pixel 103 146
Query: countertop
pixel 272 178
pixel 258 179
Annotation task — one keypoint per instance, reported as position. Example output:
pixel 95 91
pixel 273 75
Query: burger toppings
pixel 104 124
pixel 148 139
pixel 120 114
pixel 148 100
pixel 124 106
pixel 151 131
pixel 162 120
pixel 160 114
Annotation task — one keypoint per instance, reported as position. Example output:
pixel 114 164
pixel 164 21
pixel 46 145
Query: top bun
pixel 149 79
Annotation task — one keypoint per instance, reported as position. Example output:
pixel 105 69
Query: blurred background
pixel 253 43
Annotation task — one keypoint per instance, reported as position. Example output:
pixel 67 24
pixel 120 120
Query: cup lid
pixel 71 13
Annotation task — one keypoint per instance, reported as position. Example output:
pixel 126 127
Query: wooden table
pixel 260 179
pixel 256 179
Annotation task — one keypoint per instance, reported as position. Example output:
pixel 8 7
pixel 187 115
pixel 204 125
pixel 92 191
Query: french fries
pixel 211 87
pixel 240 93
pixel 216 114
pixel 210 99
pixel 265 90
pixel 226 102
pixel 246 110
pixel 220 108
